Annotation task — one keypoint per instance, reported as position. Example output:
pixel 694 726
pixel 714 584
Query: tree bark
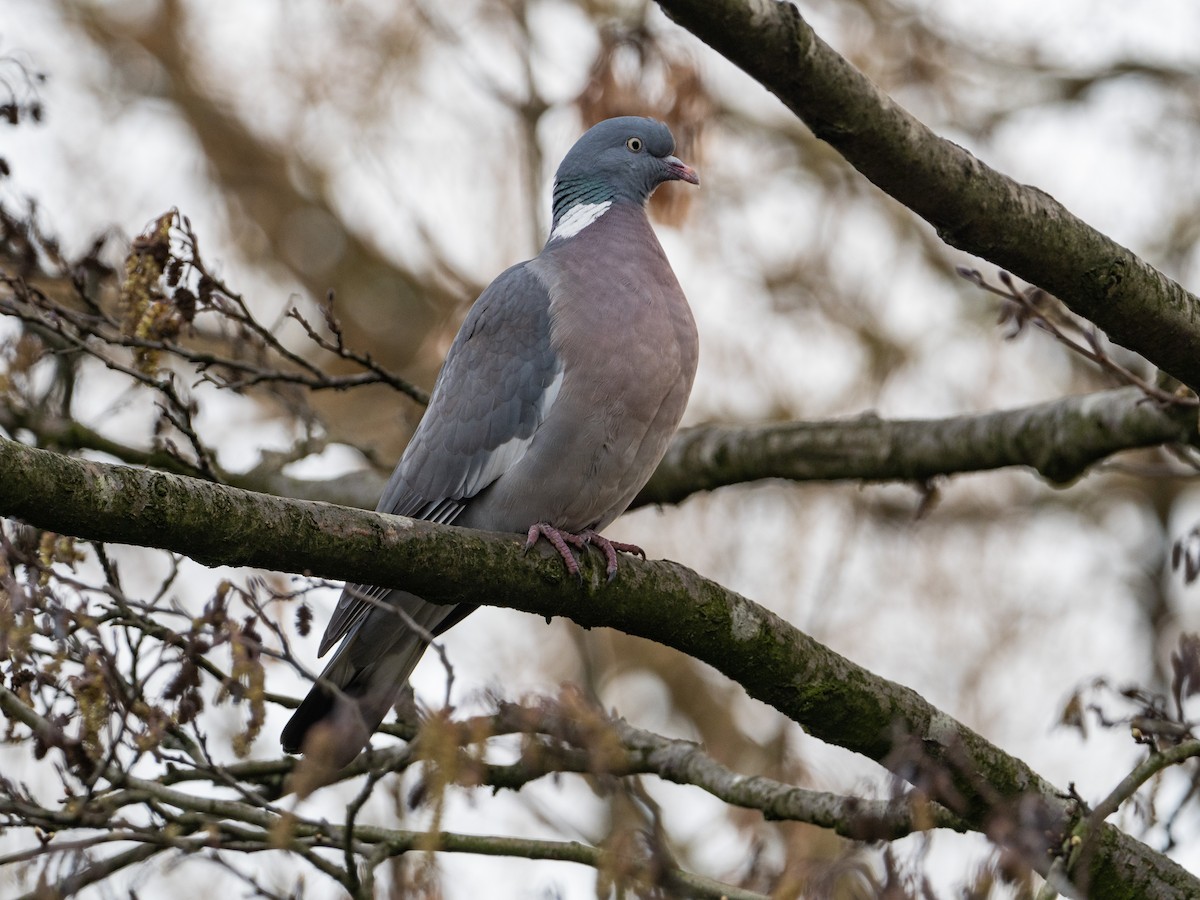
pixel 830 696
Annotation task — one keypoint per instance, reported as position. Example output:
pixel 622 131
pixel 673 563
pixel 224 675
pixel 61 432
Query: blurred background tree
pixel 398 156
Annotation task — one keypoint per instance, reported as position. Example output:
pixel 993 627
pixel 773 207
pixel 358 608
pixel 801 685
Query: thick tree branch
pixel 1059 439
pixel 972 206
pixel 829 695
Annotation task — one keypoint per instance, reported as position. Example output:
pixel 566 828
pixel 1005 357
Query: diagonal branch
pixel 973 207
pixel 835 699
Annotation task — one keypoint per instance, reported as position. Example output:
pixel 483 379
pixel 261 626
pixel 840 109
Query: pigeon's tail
pixel 346 705
pixel 364 679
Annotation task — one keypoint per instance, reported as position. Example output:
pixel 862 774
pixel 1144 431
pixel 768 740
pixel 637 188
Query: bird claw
pixel 560 539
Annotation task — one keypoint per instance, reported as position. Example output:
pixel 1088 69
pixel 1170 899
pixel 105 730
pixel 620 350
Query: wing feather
pixel 495 389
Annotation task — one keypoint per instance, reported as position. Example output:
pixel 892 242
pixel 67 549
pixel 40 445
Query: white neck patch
pixel 577 218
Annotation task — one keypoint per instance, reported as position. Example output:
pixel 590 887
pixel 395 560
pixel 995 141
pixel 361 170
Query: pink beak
pixel 681 170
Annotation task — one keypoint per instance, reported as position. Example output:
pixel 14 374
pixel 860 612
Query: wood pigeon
pixel 556 402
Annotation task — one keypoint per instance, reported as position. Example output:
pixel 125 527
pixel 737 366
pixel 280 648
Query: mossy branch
pixel 832 697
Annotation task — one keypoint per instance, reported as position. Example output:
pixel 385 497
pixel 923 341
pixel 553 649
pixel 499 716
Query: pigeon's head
pixel 619 159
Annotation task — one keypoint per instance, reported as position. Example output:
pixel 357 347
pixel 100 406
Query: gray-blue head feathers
pixel 621 159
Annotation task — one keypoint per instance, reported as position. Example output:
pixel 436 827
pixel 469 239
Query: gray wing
pixel 499 380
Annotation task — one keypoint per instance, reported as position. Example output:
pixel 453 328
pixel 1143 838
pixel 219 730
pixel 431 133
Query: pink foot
pixel 610 548
pixel 559 540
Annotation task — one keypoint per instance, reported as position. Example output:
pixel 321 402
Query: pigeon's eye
pixel 634 144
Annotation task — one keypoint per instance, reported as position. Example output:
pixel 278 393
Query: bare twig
pixel 1030 304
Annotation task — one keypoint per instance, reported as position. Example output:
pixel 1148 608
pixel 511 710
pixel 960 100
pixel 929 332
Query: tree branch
pixel 829 695
pixel 242 826
pixel 641 752
pixel 1060 439
pixel 972 206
